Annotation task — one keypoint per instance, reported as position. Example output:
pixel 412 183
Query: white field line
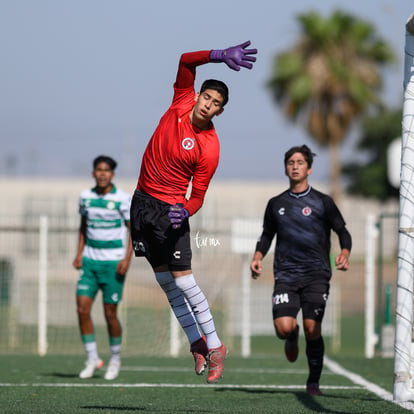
pixel 238 370
pixel 165 385
pixel 357 379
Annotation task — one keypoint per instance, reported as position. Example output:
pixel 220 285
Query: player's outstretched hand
pixel 177 215
pixel 235 56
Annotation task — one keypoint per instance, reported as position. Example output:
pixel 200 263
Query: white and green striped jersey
pixel 106 231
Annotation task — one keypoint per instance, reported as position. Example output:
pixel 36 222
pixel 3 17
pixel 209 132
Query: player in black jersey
pixel 302 219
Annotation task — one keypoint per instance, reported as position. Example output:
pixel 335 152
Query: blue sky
pixel 81 78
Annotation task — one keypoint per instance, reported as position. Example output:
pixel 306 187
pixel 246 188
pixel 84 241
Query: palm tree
pixel 329 78
pixel 370 177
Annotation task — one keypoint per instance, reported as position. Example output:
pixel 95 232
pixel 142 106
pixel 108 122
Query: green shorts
pixel 96 275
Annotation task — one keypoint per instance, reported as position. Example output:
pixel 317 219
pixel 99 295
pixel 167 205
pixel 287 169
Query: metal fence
pixel 37 298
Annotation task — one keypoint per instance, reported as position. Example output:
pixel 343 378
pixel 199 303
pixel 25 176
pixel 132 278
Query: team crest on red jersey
pixel 188 143
pixel 306 211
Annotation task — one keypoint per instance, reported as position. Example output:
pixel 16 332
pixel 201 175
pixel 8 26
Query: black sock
pixel 315 351
pixel 294 334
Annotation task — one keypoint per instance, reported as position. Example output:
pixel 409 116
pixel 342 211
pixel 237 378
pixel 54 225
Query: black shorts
pixel 310 295
pixel 154 238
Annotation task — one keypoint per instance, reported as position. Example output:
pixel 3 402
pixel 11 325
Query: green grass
pixel 263 383
pixel 259 384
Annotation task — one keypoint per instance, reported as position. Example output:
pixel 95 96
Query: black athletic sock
pixel 315 351
pixel 294 334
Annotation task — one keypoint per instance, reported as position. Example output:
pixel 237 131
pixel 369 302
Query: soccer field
pixel 259 384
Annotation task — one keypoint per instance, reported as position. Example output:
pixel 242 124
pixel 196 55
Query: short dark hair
pixel 303 149
pixel 218 86
pixel 104 158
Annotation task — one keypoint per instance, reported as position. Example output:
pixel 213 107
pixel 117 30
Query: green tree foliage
pixel 370 178
pixel 329 78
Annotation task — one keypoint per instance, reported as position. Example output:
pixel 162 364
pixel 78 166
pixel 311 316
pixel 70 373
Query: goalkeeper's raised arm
pixel 184 147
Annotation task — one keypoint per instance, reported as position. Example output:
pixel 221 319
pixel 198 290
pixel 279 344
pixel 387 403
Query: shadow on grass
pixel 152 409
pixel 61 375
pixel 301 396
pixel 315 403
pixel 112 408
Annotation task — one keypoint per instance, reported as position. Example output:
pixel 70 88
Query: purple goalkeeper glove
pixel 235 56
pixel 177 215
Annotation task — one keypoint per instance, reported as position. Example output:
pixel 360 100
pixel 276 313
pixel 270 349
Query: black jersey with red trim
pixel 302 224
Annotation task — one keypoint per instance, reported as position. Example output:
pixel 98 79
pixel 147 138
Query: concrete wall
pixel 224 201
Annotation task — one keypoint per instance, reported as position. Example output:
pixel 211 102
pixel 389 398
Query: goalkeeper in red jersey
pixel 184 148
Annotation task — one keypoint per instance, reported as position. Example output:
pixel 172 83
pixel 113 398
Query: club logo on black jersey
pixel 188 143
pixel 306 211
pixel 281 211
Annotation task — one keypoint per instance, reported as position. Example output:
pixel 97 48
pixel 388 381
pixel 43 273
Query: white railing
pixel 39 315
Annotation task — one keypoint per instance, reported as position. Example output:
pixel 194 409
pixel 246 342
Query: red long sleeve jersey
pixel 178 151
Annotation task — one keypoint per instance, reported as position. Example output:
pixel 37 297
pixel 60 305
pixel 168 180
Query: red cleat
pixel 216 358
pixel 200 354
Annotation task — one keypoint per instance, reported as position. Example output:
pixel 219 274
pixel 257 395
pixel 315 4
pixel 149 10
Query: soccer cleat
pixel 200 354
pixel 91 367
pixel 291 346
pixel 113 369
pixel 216 359
pixel 313 389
